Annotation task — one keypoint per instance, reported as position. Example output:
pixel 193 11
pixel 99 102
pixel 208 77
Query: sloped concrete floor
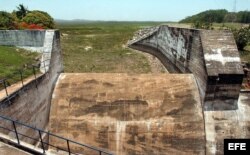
pixel 129 114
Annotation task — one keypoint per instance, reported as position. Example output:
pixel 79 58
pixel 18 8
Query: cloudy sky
pixel 125 10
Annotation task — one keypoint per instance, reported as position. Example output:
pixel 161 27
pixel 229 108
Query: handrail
pixel 68 141
pixel 32 67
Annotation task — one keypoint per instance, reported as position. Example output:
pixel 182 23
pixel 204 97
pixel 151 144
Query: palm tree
pixel 21 11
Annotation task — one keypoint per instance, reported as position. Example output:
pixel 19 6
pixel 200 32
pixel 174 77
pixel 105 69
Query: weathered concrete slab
pixel 227 124
pixel 129 114
pixel 220 53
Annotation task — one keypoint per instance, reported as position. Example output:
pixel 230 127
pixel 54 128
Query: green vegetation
pixel 220 19
pixel 22 18
pixel 21 11
pixel 40 18
pixel 7 21
pixel 218 16
pixel 245 54
pixel 13 59
pixel 101 47
pixel 242 37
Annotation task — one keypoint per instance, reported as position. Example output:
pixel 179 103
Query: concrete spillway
pixel 130 114
pixel 190 113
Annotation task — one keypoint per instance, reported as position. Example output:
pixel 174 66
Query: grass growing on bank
pixel 245 55
pixel 101 47
pixel 13 59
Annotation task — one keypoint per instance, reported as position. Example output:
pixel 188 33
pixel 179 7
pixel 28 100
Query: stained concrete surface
pixel 129 114
pixel 232 124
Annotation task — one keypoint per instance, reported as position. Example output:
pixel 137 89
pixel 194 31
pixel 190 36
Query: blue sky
pixel 124 10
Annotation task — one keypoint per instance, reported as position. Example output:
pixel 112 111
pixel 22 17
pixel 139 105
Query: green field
pixel 13 59
pixel 101 47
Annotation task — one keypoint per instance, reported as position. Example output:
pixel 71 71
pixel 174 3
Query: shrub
pixel 202 25
pixel 242 37
pixel 39 18
pixel 7 21
pixel 24 25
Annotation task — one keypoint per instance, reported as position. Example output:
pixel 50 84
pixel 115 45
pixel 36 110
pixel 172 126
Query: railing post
pixel 34 72
pixel 21 74
pixel 14 125
pixel 44 66
pixel 40 135
pixel 5 87
pixel 68 146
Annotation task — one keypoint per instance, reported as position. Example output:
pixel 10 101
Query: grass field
pixel 101 47
pixel 13 59
pixel 228 25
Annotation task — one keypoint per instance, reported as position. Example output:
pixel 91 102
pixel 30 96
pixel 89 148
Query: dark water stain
pixel 187 102
pixel 173 112
pixel 217 128
pixel 77 100
pixel 183 143
pixel 93 81
pixel 64 85
pixel 82 126
pixel 119 109
pixel 102 137
pixel 219 119
pixel 133 133
pixel 107 84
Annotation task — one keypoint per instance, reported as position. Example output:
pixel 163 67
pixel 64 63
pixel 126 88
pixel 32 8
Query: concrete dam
pixel 190 111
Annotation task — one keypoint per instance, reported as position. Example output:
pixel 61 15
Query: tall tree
pixel 21 11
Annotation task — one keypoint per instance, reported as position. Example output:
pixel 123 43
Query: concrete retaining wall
pixel 218 75
pixel 31 104
pixel 32 38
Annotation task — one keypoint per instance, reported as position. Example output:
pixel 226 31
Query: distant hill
pixel 219 16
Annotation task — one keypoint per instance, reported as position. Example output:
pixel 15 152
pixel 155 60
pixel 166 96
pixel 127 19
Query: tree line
pixel 219 16
pixel 22 18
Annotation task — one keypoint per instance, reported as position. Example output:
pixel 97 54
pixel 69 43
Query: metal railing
pixel 19 75
pixel 43 143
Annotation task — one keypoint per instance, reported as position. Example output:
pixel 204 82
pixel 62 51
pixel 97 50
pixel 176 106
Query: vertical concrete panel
pixel 31 104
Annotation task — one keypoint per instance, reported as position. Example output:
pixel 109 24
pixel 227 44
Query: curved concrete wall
pixel 31 104
pixel 192 51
